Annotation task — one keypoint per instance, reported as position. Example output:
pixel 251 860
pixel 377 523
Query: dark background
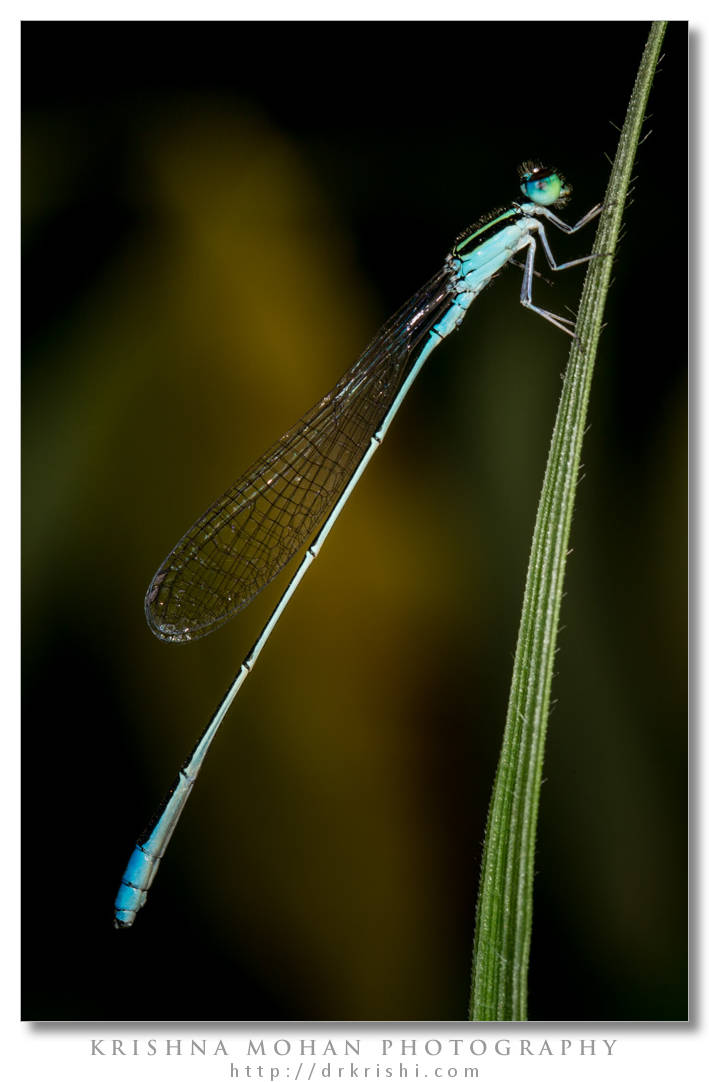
pixel 216 219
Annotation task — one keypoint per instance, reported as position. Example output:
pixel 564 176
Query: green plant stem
pixel 504 911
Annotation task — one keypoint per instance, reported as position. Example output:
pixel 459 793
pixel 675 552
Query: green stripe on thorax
pixel 483 229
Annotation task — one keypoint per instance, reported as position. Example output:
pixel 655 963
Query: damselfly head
pixel 543 185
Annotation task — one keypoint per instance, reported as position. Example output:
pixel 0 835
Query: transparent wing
pixel 237 546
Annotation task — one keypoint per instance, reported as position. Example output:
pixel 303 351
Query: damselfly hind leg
pixel 525 296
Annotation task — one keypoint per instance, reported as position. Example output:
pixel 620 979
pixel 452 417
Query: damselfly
pixel 241 543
